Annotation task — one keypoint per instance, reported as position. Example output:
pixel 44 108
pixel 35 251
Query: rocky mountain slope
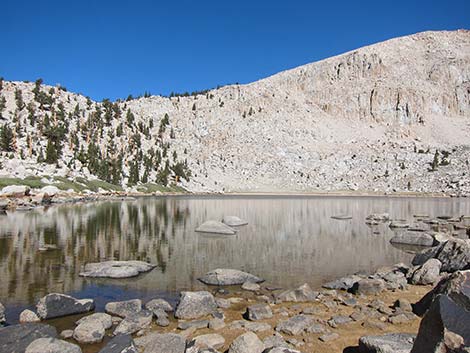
pixel 393 116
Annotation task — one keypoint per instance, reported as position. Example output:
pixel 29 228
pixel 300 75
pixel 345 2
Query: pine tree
pixel 3 104
pixel 52 156
pixel 6 139
pixel 19 99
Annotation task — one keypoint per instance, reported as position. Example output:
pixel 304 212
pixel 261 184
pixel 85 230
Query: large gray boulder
pixel 454 255
pixel 215 227
pixel 105 319
pixel 124 308
pixel 295 325
pixel 116 269
pixel 428 273
pixel 164 343
pixel 193 305
pixel 15 338
pixel 52 345
pixel 134 322
pixel 413 238
pixel 120 344
pixel 246 343
pixel 57 305
pixel 389 343
pixel 302 294
pixel 234 221
pixel 228 277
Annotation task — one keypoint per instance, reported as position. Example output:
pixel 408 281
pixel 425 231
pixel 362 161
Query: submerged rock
pixel 389 343
pixel 193 305
pixel 57 305
pixel 17 337
pixel 52 345
pixel 228 277
pixel 413 238
pixel 120 344
pixel 341 217
pixel 378 217
pixel 234 221
pixel 116 269
pixel 215 227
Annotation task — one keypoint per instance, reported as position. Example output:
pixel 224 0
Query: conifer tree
pixel 6 138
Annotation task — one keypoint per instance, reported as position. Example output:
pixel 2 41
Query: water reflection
pixel 288 241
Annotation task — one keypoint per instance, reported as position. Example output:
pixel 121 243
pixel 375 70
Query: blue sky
pixel 109 49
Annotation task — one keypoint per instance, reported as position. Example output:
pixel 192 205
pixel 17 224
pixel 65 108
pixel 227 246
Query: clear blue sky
pixel 109 49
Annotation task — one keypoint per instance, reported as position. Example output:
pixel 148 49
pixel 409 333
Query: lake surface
pixel 289 241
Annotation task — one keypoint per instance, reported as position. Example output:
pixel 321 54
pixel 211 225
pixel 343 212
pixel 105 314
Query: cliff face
pixel 371 119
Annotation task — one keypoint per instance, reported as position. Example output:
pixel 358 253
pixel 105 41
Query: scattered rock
pixel 89 331
pixel 275 341
pixel 389 343
pixel 403 305
pixel 281 350
pixel 302 294
pixel 215 227
pixel 52 345
pixel 199 324
pixel 246 343
pixel 164 343
pixel 159 304
pixel 428 273
pixel 15 191
pixel 211 340
pixel 16 338
pixel 50 190
pixel 379 217
pixel 328 337
pixel 223 303
pixel 295 325
pixel 28 316
pixel 105 319
pixel 193 305
pixel 257 326
pixel 124 308
pixel 216 324
pixel 120 344
pixel 344 283
pixel 228 277
pixel 57 305
pixel 368 286
pixel 134 322
pixel 116 269
pixel 234 221
pixel 259 312
pixel 250 286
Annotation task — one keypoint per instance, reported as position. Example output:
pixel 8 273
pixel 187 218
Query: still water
pixel 289 241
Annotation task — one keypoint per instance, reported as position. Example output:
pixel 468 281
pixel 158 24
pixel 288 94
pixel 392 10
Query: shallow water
pixel 289 241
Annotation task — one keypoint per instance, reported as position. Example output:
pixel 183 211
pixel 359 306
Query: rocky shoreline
pixel 380 312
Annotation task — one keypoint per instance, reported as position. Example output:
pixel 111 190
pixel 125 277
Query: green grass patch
pixel 32 182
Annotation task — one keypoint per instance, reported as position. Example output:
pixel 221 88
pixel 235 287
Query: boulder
pixel 250 286
pixel 105 319
pixel 89 331
pixel 50 190
pixel 275 341
pixel 368 286
pixel 428 273
pixel 454 255
pixel 215 227
pixel 120 344
pixel 259 312
pixel 124 308
pixel 52 345
pixel 228 277
pixel 388 343
pixel 164 343
pixel 196 325
pixel 211 340
pixel 445 326
pixel 302 294
pixel 28 316
pixel 398 224
pixel 15 191
pixel 134 322
pixel 413 238
pixel 16 338
pixel 57 305
pixel 454 286
pixel 158 304
pixel 116 269
pixel 193 305
pixel 246 343
pixel 378 217
pixel 295 325
pixel 234 221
